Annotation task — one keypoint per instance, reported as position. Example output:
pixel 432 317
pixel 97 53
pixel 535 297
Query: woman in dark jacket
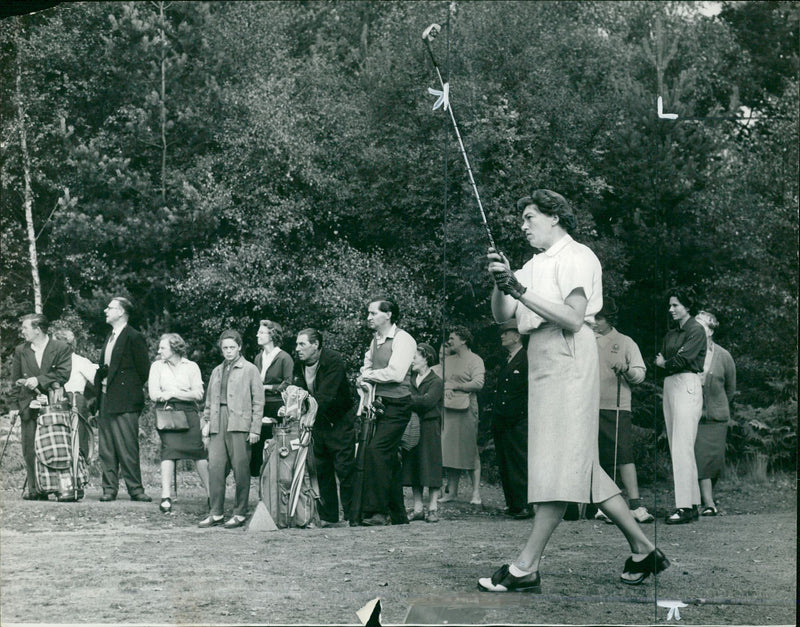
pixel 422 465
pixel 719 386
pixel 275 366
pixel 682 357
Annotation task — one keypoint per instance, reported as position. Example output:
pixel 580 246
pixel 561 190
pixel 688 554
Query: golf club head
pixel 429 34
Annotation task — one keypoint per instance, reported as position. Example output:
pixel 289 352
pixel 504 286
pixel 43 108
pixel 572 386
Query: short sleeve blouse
pixel 555 273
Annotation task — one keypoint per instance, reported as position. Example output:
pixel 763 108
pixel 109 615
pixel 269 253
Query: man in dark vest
pixel 120 379
pixel 510 422
pixel 387 365
pixel 322 372
pixel 38 363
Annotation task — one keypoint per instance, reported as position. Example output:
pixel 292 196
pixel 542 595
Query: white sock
pixel 517 572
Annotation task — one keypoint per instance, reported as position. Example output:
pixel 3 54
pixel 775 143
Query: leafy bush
pixel 769 431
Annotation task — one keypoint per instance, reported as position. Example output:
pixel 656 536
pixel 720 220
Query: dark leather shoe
pixel 108 497
pixel 376 520
pixel 504 581
pixel 31 496
pixel 680 516
pixel 70 497
pixel 141 497
pixel 653 564
pixel 523 514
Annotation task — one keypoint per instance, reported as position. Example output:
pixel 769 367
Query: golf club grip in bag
pixel 277 471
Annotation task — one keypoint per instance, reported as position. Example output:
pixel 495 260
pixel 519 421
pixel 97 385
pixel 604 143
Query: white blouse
pixel 182 381
pixel 556 272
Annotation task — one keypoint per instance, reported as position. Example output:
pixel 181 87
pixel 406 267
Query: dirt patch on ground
pixel 125 562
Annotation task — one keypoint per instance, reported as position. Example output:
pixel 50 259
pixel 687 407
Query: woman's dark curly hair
pixel 551 204
pixel 685 296
pixel 464 334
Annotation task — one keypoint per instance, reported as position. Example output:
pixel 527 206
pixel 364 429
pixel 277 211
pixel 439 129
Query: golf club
pixel 10 431
pixel 428 35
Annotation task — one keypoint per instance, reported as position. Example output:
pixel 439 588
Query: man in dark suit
pixel 322 372
pixel 38 363
pixel 510 422
pixel 120 379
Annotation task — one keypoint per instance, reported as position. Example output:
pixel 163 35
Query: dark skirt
pixel 709 449
pixel 422 465
pixel 272 403
pixel 184 444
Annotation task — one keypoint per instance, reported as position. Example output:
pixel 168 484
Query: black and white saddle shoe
pixel 504 581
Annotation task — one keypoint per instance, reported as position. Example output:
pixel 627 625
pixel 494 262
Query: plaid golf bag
pixel 60 468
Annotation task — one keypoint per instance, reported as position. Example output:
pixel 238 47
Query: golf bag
pixel 288 487
pixel 60 468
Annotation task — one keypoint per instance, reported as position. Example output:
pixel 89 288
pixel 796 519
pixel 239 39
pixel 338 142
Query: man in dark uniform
pixel 510 422
pixel 38 363
pixel 322 373
pixel 120 379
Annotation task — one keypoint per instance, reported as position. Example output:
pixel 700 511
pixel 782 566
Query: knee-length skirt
pixel 709 449
pixel 460 436
pixel 563 418
pixel 184 444
pixel 422 465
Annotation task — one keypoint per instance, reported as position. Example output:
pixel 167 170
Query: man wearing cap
pixel 510 422
pixel 621 365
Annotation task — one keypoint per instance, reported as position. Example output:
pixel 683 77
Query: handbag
pixel 411 435
pixel 459 400
pixel 170 419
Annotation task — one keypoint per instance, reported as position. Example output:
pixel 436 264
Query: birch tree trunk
pixel 163 105
pixel 27 191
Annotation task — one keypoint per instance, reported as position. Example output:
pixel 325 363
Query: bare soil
pixel 125 562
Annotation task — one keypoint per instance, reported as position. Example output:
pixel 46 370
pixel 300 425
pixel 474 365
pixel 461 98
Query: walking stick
pixel 616 427
pixel 8 437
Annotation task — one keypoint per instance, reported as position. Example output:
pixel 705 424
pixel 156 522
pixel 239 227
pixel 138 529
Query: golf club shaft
pixel 10 431
pixel 461 146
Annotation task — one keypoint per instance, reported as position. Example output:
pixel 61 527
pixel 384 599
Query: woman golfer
pixel 554 298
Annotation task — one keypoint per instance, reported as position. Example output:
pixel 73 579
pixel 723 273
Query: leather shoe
pixel 141 497
pixel 431 516
pixel 211 521
pixel 33 496
pixel 234 522
pixel 108 497
pixel 504 581
pixel 523 514
pixel 653 564
pixel 376 520
pixel 414 515
pixel 680 516
pixel 69 497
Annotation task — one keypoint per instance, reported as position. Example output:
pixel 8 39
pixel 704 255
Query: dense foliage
pixel 223 162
